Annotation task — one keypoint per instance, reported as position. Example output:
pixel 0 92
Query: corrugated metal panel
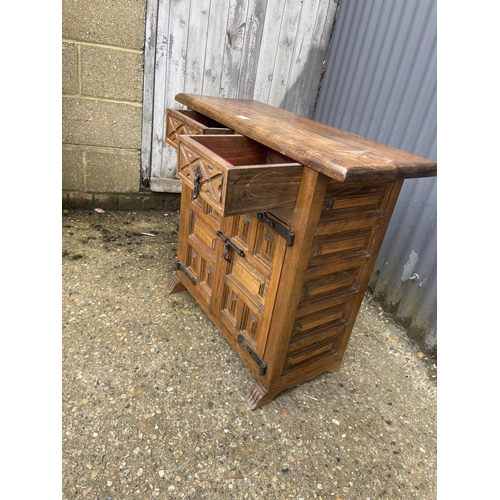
pixel 269 50
pixel 381 82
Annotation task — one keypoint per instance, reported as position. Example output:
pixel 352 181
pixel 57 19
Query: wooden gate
pixel 270 50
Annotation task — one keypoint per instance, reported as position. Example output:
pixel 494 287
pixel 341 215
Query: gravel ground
pixel 152 394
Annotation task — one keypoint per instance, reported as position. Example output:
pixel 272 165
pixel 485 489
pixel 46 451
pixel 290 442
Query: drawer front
pixel 188 122
pixel 204 175
pixel 236 175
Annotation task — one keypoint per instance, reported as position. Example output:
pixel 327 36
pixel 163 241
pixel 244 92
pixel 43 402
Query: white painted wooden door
pixel 270 50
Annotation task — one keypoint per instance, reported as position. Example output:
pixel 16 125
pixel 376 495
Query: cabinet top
pixel 341 155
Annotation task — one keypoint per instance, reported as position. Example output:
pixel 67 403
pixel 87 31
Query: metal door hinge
pixel 262 364
pixel 186 272
pixel 278 228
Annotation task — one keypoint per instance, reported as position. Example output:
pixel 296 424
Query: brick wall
pixel 102 63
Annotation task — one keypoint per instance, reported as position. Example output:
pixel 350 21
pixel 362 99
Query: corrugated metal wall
pixel 381 83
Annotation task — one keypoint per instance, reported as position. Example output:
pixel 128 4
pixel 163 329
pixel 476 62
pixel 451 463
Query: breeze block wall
pixel 102 67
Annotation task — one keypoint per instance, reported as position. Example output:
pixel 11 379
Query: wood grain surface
pixel 335 153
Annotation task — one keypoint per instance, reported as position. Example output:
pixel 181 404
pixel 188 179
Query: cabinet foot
pixel 175 285
pixel 259 396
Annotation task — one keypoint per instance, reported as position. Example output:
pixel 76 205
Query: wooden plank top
pixel 341 155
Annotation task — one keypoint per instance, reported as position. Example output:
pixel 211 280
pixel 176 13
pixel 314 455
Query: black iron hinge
pixel 186 272
pixel 277 228
pixel 262 364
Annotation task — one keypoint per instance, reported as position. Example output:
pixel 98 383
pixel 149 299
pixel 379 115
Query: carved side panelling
pixel 341 248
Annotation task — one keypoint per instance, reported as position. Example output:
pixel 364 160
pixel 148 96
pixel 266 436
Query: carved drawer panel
pixel 185 121
pixel 237 175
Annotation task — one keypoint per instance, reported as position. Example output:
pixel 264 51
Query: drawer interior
pixel 238 150
pixel 202 119
pixel 188 122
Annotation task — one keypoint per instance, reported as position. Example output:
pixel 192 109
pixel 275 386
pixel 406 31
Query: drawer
pixel 186 121
pixel 237 175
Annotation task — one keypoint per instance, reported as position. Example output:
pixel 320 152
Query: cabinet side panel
pixel 305 218
pixel 347 238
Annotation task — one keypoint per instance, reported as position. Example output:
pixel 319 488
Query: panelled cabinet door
pixel 198 254
pixel 250 279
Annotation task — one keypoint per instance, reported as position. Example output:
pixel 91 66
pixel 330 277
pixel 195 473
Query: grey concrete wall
pixel 102 78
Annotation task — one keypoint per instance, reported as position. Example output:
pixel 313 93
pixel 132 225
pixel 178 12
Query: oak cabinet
pixel 280 225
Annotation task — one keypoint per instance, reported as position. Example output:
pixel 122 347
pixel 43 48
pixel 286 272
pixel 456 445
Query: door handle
pixel 196 183
pixel 229 244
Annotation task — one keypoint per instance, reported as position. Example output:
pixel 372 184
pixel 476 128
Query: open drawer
pixel 186 121
pixel 237 175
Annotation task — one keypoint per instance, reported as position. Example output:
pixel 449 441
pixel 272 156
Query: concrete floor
pixel 153 394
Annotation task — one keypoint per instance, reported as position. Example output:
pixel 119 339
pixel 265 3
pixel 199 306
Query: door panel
pixel 250 281
pixel 198 244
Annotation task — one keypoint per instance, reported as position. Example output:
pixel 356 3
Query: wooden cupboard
pixel 280 224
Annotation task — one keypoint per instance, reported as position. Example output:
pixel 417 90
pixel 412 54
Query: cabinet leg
pixel 259 396
pixel 175 285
